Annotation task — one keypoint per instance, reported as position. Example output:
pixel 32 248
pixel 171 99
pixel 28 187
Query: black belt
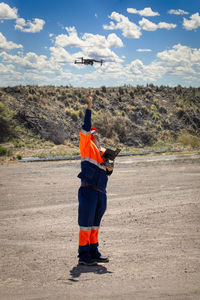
pixel 90 186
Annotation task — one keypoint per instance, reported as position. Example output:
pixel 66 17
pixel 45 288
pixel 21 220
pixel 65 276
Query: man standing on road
pixel 92 193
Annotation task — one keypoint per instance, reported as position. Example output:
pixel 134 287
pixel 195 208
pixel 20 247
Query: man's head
pixel 95 136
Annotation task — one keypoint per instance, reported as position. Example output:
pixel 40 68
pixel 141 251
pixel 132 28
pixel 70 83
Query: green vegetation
pixel 189 140
pixel 74 114
pixel 37 119
pixel 4 151
pixel 7 123
pixel 19 156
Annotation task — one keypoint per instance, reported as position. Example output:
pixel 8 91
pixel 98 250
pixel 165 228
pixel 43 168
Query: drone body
pixel 88 61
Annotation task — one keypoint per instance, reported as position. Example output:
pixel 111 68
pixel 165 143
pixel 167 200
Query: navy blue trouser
pixel 92 206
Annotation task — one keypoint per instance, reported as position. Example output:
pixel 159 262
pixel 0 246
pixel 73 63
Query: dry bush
pixel 188 139
pixel 113 127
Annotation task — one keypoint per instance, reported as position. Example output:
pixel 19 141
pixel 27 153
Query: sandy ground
pixel 151 231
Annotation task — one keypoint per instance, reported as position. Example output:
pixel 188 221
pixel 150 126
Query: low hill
pixel 128 116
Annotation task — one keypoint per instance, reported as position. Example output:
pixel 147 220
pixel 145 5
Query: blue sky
pixel 141 42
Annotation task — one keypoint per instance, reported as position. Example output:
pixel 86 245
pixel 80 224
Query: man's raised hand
pixel 89 100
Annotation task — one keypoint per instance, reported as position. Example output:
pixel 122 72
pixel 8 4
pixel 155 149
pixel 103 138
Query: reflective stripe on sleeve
pixel 85 132
pixel 93 162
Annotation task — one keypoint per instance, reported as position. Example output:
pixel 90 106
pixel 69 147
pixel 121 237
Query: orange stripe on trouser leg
pixel 84 237
pixel 94 236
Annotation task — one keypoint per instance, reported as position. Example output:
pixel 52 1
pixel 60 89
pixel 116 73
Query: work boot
pixel 87 262
pixel 102 259
pixel 96 255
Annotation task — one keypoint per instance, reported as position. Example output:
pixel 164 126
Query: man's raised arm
pixel 87 119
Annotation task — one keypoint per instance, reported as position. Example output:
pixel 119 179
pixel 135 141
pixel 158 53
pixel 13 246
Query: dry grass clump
pixel 189 140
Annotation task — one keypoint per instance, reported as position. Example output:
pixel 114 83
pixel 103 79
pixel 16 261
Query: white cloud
pixel 5 45
pixel 100 41
pixel 94 46
pixel 71 39
pixel 168 26
pixel 150 26
pixel 193 23
pixel 147 12
pixel 137 67
pixel 114 41
pixel 6 69
pixel 129 29
pixel 180 55
pixel 179 61
pixel 177 12
pixel 60 55
pixel 9 76
pixel 105 54
pixel 31 61
pixel 112 71
pixel 35 26
pixel 6 12
pixel 147 25
pixel 150 72
pixel 87 40
pixel 143 50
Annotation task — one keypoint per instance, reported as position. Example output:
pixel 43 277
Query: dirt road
pixel 151 231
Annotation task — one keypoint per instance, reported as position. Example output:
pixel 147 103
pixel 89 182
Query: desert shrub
pixel 188 139
pixel 30 97
pixel 180 112
pixel 104 123
pixel 121 91
pixel 144 109
pixel 154 113
pixel 79 95
pixel 81 114
pixel 103 88
pixel 18 143
pixel 4 151
pixel 159 125
pixel 7 122
pixel 66 102
pixel 148 123
pixel 118 112
pixel 148 95
pixel 115 128
pixel 162 110
pixel 74 114
pixel 121 125
pixel 166 135
pixel 131 109
pixel 33 97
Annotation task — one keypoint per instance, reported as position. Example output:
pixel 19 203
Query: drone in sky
pixel 88 61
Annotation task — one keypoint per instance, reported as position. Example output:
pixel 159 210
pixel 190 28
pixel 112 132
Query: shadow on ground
pixel 79 269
